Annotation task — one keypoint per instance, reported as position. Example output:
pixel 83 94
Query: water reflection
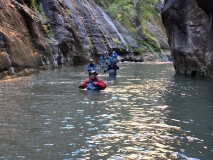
pixel 145 113
pixel 191 108
pixel 112 80
pixel 92 96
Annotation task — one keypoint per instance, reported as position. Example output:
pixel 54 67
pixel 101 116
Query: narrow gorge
pixel 41 34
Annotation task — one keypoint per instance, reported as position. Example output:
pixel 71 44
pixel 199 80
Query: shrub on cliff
pixel 133 14
pixel 137 51
pixel 35 6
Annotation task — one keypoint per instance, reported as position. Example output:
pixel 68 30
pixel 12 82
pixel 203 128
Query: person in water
pixel 93 83
pixel 102 61
pixel 112 69
pixel 110 60
pixel 106 54
pixel 91 66
pixel 114 56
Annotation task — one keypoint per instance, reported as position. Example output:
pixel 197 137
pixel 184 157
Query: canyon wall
pixel 52 33
pixel 189 29
pixel 41 34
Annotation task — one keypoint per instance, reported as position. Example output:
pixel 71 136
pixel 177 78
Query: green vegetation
pixel 46 18
pixel 116 41
pixel 148 46
pixel 90 43
pixel 46 28
pixel 45 25
pixel 35 6
pixel 133 14
pixel 155 13
pixel 149 41
pixel 137 51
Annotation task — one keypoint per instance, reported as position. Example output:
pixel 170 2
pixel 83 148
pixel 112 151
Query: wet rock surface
pixel 17 48
pixel 56 33
pixel 207 6
pixel 156 29
pixel 189 30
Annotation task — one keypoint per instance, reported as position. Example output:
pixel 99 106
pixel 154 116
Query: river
pixel 147 112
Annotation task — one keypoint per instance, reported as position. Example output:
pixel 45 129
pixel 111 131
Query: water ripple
pixel 145 113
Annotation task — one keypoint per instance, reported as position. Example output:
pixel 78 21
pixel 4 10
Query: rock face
pixel 207 6
pixel 44 34
pixel 17 42
pixel 55 32
pixel 156 29
pixel 189 30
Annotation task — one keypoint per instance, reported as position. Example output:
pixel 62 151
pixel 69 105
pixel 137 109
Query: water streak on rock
pixel 108 19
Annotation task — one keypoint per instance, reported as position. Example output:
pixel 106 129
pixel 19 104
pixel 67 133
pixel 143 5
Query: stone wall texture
pixel 189 29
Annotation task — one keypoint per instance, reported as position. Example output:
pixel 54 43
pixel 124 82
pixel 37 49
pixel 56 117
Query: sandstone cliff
pixel 53 33
pixel 189 29
pixel 36 34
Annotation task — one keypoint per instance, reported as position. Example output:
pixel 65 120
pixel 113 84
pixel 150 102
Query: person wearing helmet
pixel 91 66
pixel 114 56
pixel 106 54
pixel 93 83
pixel 112 69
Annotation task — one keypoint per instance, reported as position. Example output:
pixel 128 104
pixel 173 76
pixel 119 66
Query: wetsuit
pixel 89 84
pixel 112 70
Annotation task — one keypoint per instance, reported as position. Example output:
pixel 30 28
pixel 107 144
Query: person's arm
pixel 94 68
pixel 84 84
pixel 101 84
pixel 116 67
pixel 88 68
pixel 108 68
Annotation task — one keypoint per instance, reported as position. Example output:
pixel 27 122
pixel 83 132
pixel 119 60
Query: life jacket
pixel 90 85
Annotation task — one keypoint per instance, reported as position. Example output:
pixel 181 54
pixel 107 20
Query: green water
pixel 145 113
